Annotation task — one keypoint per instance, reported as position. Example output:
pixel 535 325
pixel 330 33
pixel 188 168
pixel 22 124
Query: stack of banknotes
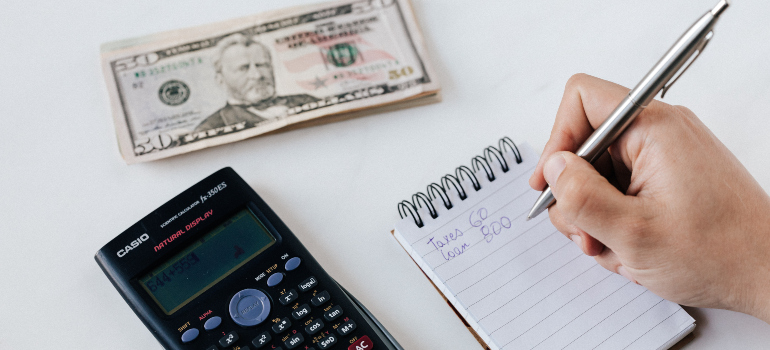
pixel 194 88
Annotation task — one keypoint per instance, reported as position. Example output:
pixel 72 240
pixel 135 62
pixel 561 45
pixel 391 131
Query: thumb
pixel 587 200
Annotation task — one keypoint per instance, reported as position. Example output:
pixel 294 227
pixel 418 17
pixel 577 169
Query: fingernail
pixel 622 271
pixel 553 168
pixel 578 240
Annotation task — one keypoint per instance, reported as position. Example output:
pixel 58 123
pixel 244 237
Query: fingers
pixel 586 103
pixel 603 255
pixel 589 245
pixel 586 200
pixel 610 261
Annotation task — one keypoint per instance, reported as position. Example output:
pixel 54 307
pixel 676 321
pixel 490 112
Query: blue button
pixel 249 307
pixel 274 279
pixel 293 263
pixel 190 335
pixel 212 323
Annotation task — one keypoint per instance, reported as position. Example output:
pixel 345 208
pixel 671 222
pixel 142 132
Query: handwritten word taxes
pixel 446 242
pixel 453 244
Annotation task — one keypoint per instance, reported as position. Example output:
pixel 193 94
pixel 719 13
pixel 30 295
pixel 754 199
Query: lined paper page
pixel 522 284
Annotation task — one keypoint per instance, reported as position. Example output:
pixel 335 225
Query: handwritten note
pixel 522 284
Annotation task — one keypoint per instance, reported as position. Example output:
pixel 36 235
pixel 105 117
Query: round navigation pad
pixel 249 307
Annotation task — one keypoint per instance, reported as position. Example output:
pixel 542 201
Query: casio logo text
pixel 133 245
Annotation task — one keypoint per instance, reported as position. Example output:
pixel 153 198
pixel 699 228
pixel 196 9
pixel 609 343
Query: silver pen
pixel 660 78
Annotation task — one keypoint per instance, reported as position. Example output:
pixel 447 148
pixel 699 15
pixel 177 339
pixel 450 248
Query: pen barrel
pixel 693 40
pixel 675 58
pixel 608 132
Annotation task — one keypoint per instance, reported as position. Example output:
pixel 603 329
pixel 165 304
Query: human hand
pixel 668 207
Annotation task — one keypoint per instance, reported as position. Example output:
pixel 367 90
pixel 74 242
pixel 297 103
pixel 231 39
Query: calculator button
pixel 301 312
pixel 262 340
pixel 212 323
pixel 293 263
pixel 249 307
pixel 294 341
pixel 332 314
pixel 327 342
pixel 288 297
pixel 314 327
pixel 362 343
pixel 190 335
pixel 274 279
pixel 320 298
pixel 346 328
pixel 228 339
pixel 213 347
pixel 308 284
pixel 281 326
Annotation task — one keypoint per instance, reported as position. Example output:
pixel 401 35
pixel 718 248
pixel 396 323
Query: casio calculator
pixel 215 268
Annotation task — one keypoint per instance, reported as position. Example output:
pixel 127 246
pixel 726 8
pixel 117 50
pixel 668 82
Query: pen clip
pixel 703 44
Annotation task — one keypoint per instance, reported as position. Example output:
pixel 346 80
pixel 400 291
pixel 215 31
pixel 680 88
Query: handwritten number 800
pixel 496 227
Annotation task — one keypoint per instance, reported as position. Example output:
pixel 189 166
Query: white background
pixel 502 65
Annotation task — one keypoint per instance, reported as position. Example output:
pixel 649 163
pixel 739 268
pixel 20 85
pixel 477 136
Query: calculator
pixel 215 268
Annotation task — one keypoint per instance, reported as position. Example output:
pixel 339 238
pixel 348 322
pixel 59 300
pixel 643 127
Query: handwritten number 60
pixel 482 214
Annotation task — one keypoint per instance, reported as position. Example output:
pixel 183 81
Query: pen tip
pixel 528 218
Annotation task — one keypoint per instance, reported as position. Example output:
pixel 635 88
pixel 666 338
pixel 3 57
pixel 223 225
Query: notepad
pixel 521 284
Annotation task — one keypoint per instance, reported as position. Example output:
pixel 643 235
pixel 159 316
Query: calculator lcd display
pixel 207 261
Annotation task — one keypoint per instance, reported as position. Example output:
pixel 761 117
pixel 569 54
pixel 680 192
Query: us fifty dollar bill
pixel 189 89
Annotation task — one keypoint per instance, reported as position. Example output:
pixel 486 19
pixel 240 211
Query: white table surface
pixel 502 65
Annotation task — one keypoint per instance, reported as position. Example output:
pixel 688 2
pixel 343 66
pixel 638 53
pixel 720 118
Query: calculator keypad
pixel 315 322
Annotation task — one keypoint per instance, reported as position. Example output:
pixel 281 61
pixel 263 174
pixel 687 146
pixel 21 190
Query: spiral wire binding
pixel 443 188
pixel 435 189
pixel 462 169
pixel 425 199
pixel 481 162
